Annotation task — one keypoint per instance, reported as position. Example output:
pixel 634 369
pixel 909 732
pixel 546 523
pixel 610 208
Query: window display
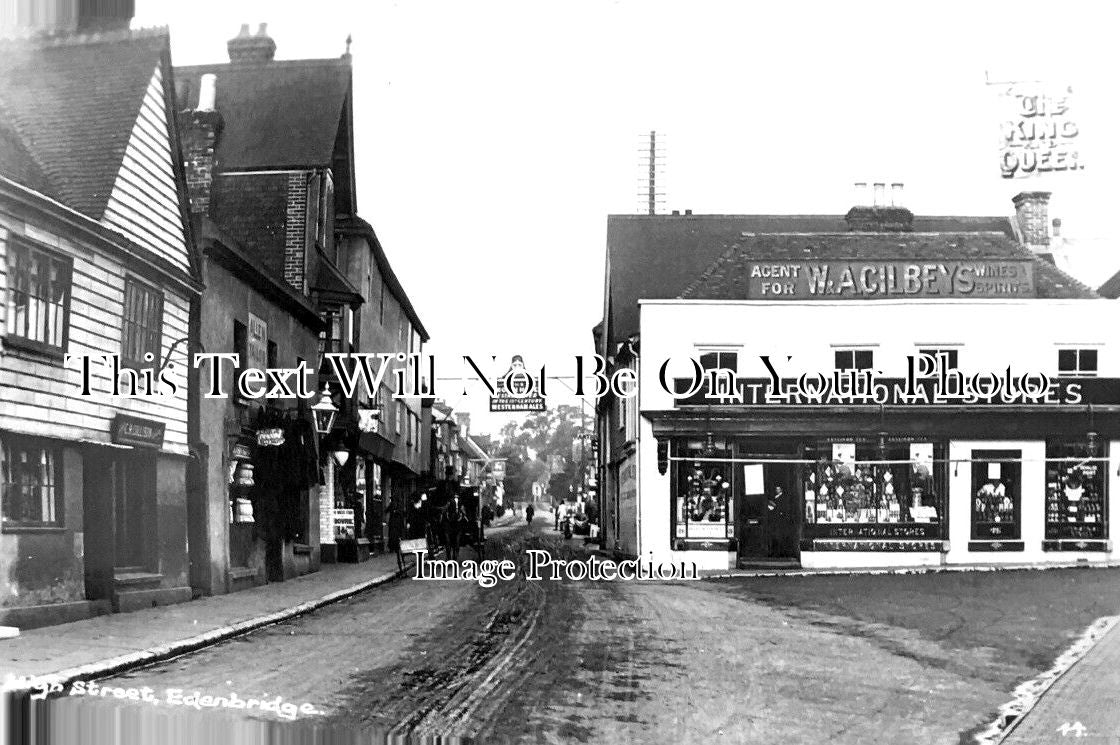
pixel 996 494
pixel 1075 493
pixel 704 503
pixel 859 483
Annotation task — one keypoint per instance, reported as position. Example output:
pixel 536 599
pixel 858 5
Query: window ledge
pixel 17 528
pixel 34 348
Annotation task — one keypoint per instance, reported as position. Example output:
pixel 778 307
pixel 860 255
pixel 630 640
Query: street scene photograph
pixel 598 372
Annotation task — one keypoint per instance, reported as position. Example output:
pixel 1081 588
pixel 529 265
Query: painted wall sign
pixel 141 433
pixel 869 280
pixel 256 353
pixel 896 531
pixel 1039 131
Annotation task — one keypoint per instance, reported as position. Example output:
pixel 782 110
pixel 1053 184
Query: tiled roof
pixel 278 114
pixel 72 103
pixel 658 256
pixel 726 277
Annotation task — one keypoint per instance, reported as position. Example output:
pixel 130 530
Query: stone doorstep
pixel 131 600
pixel 38 616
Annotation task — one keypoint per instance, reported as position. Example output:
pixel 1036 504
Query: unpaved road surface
pixel 553 662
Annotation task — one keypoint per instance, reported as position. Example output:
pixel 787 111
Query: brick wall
pixel 295 236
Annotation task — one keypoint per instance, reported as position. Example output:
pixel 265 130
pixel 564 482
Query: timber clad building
pixel 96 257
pixel 822 455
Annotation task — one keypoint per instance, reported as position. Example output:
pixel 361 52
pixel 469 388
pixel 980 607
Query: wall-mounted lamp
pixel 324 411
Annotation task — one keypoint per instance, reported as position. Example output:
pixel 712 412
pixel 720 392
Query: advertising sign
pixel 1039 131
pixel 517 390
pixel 876 280
pixel 141 433
pixel 343 524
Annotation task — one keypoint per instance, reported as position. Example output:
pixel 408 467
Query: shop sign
pixel 517 390
pixel 872 545
pixel 141 433
pixel 878 280
pixel 904 531
pixel 865 387
pixel 270 437
pixel 343 524
pixel 240 451
pixel 1039 131
pixel 256 353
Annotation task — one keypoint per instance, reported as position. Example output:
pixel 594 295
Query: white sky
pixel 493 138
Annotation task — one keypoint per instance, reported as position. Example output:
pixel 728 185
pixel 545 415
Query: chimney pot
pixel 860 194
pixel 251 49
pixel 207 92
pixel 688 212
pixel 1057 223
pixel 880 189
pixel 896 195
pixel 676 213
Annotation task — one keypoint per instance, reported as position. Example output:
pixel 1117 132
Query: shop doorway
pixel 133 494
pixel 769 517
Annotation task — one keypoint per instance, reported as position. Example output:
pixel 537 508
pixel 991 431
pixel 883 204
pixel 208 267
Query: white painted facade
pixel 988 335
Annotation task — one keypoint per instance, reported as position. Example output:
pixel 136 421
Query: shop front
pixel 828 489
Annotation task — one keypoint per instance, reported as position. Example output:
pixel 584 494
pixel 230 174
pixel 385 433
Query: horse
pixel 459 525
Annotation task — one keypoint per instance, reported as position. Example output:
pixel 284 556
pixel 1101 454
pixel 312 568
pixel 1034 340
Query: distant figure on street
pixel 529 515
pixel 556 516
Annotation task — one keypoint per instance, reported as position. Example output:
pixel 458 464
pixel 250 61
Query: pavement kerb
pixel 1028 693
pixel 164 652
pixel 934 569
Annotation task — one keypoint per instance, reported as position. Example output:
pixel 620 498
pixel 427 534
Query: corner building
pixel 707 464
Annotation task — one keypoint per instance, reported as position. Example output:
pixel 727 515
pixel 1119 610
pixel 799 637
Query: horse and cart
pixel 452 518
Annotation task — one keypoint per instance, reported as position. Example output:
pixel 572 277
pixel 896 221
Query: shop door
pixel 768 518
pixel 133 494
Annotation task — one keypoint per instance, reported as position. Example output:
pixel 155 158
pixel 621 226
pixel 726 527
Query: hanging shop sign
pixel 517 390
pixel 141 433
pixel 1039 129
pixel 270 437
pixel 240 451
pixel 878 280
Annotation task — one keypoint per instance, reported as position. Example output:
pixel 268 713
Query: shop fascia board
pixel 955 422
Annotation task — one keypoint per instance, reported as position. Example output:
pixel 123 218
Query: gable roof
pixel 658 256
pixel 358 226
pixel 1111 288
pixel 72 103
pixel 277 114
pixel 726 277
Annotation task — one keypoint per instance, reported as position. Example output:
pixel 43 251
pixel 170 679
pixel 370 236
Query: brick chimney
pixel 246 48
pixel 463 419
pixel 1032 219
pixel 105 15
pixel 200 128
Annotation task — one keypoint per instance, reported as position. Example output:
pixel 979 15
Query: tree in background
pixel 540 449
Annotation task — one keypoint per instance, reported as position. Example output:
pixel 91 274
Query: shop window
pixel 996 495
pixel 1077 362
pixel 720 361
pixel 857 482
pixel 703 498
pixel 30 484
pixel 38 296
pixel 1076 492
pixel 854 359
pixel 142 326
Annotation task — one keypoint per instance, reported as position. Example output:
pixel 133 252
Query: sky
pixel 494 138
